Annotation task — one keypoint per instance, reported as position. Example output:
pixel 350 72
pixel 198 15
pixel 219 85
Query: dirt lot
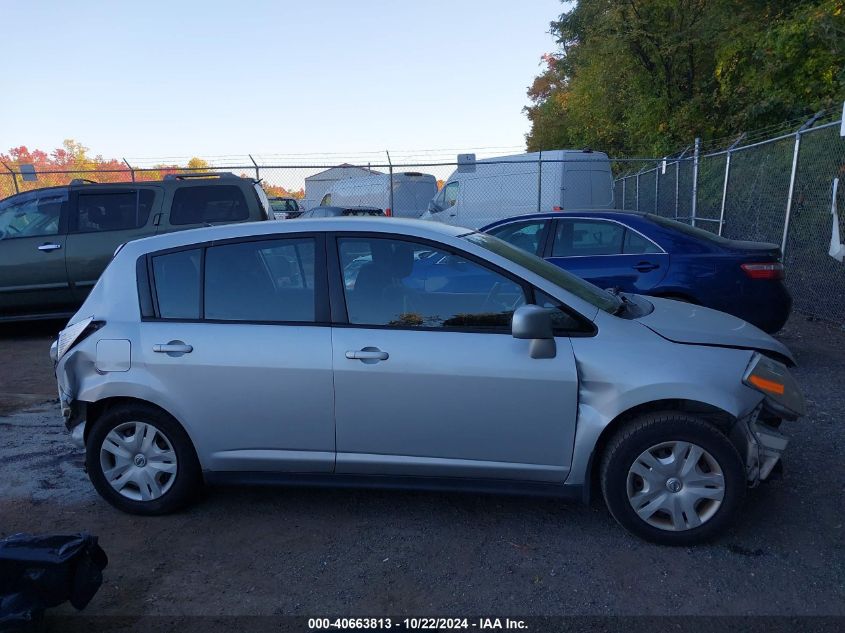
pixel 319 552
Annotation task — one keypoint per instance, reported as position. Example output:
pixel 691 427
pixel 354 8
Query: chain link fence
pixel 777 190
pixel 465 192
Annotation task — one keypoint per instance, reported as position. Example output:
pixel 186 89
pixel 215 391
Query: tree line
pixel 73 160
pixel 644 77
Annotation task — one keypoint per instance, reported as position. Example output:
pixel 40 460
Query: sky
pixel 281 80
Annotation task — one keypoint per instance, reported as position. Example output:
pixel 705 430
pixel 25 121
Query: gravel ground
pixel 261 551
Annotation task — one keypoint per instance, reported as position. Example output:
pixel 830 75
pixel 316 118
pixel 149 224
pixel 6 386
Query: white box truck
pixel 483 191
pixel 412 191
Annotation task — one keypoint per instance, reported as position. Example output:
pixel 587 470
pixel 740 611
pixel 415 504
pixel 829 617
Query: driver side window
pixel 450 194
pixel 405 284
pixel 36 216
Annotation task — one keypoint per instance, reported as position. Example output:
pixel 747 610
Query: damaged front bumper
pixel 74 413
pixel 761 444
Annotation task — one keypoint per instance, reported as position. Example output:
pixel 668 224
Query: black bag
pixel 37 572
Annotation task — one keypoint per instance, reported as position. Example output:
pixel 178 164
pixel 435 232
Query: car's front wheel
pixel 672 478
pixel 141 460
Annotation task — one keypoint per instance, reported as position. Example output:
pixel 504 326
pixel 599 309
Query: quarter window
pixel 114 211
pixel 636 244
pixel 271 280
pixel 406 284
pixel 207 204
pixel 177 283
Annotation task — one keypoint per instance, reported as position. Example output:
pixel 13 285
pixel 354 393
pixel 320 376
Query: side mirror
pixel 535 324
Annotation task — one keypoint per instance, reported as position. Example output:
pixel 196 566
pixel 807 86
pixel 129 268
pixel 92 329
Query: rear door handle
pixel 173 348
pixel 645 267
pixel 47 247
pixel 368 353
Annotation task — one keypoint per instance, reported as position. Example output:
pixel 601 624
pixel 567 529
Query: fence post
pixel 539 180
pixel 624 180
pixel 677 184
pixel 638 190
pixel 656 189
pixel 725 191
pixel 14 177
pixel 795 151
pixel 131 170
pixel 257 175
pixel 697 152
pixel 390 164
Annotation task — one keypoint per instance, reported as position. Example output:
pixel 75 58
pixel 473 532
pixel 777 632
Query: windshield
pixel 566 280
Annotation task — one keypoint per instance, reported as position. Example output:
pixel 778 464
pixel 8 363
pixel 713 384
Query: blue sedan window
pixel 587 238
pixel 636 244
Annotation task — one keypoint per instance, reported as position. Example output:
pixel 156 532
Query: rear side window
pixel 177 284
pixel 207 204
pixel 114 211
pixel 271 280
pixel 587 238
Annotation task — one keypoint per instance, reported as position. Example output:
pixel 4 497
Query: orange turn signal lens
pixel 766 385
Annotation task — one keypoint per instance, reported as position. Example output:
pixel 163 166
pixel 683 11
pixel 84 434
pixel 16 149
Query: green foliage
pixel 642 77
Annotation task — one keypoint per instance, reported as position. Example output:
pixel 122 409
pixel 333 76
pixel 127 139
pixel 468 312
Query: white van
pixel 412 191
pixel 480 192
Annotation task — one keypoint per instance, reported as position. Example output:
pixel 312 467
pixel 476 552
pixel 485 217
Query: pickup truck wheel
pixel 672 478
pixel 141 460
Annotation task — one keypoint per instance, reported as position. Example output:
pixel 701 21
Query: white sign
pixel 837 249
pixel 28 173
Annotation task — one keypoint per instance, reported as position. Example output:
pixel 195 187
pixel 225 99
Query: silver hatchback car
pixel 405 353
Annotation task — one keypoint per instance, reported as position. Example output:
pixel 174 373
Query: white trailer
pixel 412 191
pixel 480 192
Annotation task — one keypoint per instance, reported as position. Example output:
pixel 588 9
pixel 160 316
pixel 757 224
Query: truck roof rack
pixel 83 181
pixel 202 174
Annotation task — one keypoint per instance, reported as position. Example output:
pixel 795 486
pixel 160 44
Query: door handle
pixel 645 267
pixel 47 247
pixel 173 348
pixel 368 353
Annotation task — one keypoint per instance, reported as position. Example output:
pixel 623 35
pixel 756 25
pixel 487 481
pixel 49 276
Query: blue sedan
pixel 651 255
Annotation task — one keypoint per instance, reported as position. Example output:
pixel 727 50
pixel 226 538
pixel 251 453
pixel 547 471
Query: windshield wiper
pixel 624 302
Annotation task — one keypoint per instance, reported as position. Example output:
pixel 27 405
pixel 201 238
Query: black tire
pixel 647 431
pixel 187 480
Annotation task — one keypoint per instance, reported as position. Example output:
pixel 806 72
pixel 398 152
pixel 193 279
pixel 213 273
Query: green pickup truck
pixel 55 242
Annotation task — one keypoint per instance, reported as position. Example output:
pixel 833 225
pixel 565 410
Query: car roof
pixel 587 213
pixel 330 207
pixel 168 181
pixel 412 228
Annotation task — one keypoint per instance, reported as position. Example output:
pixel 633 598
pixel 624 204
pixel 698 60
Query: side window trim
pixel 625 227
pixel 340 315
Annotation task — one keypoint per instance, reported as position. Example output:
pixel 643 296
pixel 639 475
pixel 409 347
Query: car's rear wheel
pixel 672 478
pixel 141 460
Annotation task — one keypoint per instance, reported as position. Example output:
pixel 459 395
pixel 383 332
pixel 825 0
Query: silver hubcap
pixel 675 486
pixel 138 461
